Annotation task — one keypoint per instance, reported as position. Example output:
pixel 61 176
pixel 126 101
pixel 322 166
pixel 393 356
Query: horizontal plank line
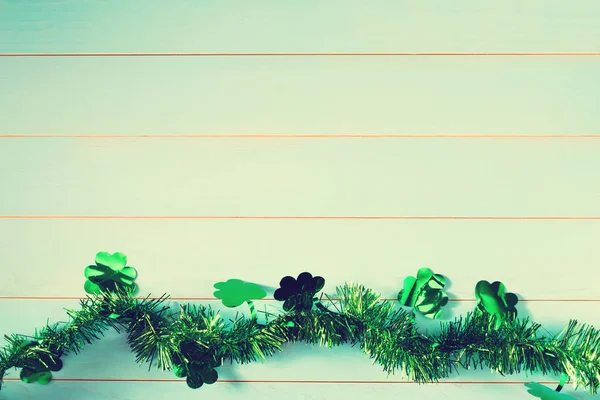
pixel 363 382
pixel 193 298
pixel 311 54
pixel 310 217
pixel 300 136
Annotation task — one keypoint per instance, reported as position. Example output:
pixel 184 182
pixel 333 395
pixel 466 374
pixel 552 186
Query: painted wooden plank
pixel 137 177
pixel 225 391
pixel 536 259
pixel 490 96
pixel 139 96
pixel 308 26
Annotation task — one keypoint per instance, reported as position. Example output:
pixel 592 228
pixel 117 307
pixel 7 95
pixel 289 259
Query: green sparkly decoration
pixel 424 293
pixel 298 293
pixel 493 299
pixel 109 273
pixel 195 364
pixel 194 340
pixel 39 369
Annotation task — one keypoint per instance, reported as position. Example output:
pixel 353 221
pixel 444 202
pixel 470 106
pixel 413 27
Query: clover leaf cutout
pixel 39 369
pixel 196 364
pixel 298 293
pixel 424 293
pixel 545 393
pixel 235 292
pixel 109 274
pixel 493 299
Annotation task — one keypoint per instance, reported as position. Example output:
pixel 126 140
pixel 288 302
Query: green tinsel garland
pixel 195 340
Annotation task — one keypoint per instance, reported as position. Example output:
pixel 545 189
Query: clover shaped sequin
pixel 40 369
pixel 236 292
pixel 195 364
pixel 424 293
pixel 110 273
pixel 298 293
pixel 493 299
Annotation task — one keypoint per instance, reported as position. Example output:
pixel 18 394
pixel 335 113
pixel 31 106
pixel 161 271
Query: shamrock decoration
pixel 39 369
pixel 298 294
pixel 546 393
pixel 195 365
pixel 493 299
pixel 235 292
pixel 424 293
pixel 109 273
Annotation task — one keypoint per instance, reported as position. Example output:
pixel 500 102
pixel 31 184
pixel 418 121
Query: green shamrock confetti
pixel 493 299
pixel 298 293
pixel 545 393
pixel 196 364
pixel 424 293
pixel 109 273
pixel 235 292
pixel 39 369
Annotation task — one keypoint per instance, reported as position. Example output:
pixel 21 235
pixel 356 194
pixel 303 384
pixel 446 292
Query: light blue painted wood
pixel 311 25
pixel 300 95
pixel 186 257
pixel 135 391
pixel 132 96
pixel 344 177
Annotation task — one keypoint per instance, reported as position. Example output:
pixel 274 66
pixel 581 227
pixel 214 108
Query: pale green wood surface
pixel 30 26
pixel 372 95
pixel 549 260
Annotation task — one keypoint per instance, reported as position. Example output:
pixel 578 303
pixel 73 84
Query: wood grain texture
pixel 400 163
pixel 312 25
pixel 301 178
pixel 186 257
pixel 136 390
pixel 168 96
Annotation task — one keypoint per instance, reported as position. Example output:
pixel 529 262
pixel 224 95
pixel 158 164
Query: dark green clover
pixel 109 274
pixel 298 294
pixel 493 299
pixel 39 367
pixel 424 293
pixel 196 364
pixel 235 292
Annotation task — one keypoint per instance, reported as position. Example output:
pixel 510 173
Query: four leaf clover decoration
pixel 109 273
pixel 424 293
pixel 298 293
pixel 493 299
pixel 196 364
